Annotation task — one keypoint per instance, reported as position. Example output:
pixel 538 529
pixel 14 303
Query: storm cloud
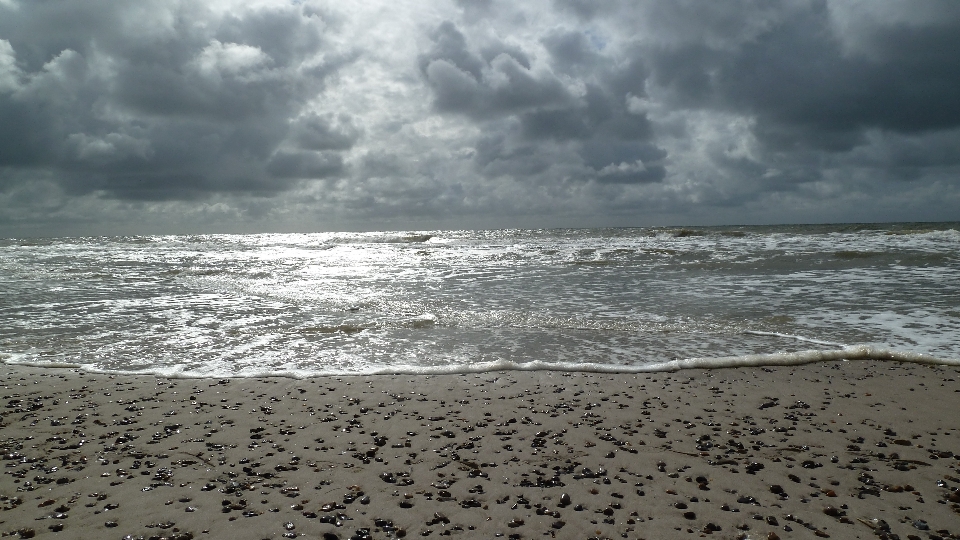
pixel 168 117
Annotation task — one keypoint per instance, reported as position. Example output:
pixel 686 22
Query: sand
pixel 835 450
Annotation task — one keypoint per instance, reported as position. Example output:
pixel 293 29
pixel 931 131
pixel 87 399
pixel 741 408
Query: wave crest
pixel 856 352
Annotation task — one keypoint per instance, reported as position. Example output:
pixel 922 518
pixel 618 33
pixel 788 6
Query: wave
pixel 854 254
pixel 594 262
pixel 345 328
pixel 794 336
pixel 383 238
pixel 779 359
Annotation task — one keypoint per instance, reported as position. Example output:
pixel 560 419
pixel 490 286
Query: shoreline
pixel 848 353
pixel 823 449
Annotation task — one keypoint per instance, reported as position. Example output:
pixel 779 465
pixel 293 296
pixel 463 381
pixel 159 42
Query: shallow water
pixel 448 301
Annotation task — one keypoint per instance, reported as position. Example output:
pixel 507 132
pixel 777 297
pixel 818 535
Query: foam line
pixel 794 336
pixel 856 352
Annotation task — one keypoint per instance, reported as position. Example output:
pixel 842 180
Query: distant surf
pixel 421 302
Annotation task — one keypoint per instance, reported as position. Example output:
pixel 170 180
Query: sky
pixel 155 117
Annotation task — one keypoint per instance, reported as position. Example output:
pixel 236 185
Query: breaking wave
pixel 778 359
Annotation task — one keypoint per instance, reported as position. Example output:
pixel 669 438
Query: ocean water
pixel 461 301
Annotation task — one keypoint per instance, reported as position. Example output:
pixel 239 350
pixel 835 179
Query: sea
pixel 418 302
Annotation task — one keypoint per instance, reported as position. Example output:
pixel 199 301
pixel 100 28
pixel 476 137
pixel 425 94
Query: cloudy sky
pixel 254 115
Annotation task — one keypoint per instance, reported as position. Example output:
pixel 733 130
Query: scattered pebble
pixel 356 457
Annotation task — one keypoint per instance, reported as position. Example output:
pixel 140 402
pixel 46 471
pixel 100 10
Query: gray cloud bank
pixel 246 116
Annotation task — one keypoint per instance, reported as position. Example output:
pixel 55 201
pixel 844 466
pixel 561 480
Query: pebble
pixel 520 460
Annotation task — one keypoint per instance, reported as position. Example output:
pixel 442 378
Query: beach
pixel 844 449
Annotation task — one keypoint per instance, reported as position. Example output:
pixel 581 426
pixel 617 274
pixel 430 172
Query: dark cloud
pixel 805 89
pixel 568 112
pixel 611 143
pixel 199 103
pixel 572 51
pixel 450 45
pixel 325 132
pixel 464 82
pixel 584 9
pixel 305 164
pixel 495 49
pixel 476 10
pixel 498 156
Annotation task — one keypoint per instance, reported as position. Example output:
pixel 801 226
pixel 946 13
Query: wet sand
pixel 835 450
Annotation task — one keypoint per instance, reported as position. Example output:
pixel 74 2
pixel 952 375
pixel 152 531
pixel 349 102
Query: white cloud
pixel 9 72
pixel 112 147
pixel 623 168
pixel 231 59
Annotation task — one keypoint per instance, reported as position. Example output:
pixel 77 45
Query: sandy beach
pixel 857 449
